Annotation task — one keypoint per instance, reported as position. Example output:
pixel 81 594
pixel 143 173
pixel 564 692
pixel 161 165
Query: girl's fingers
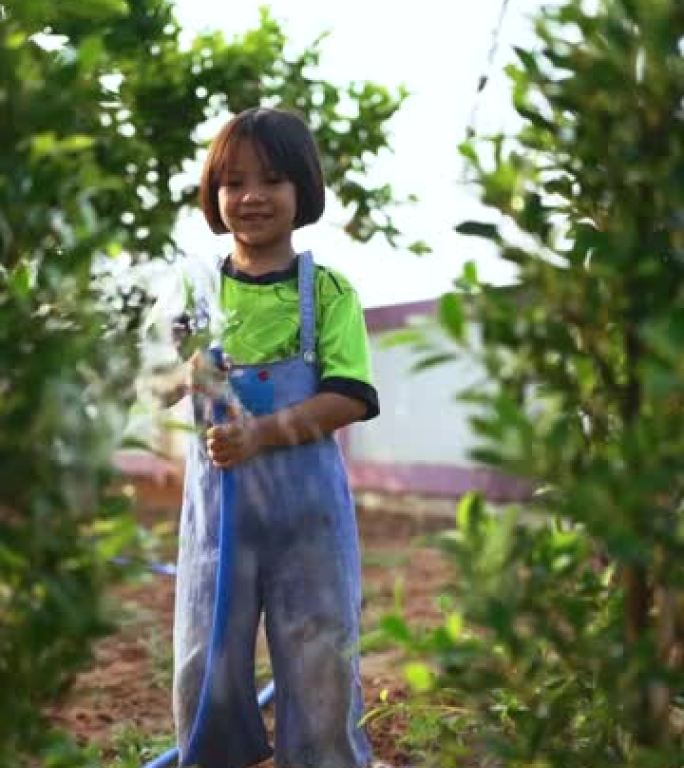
pixel 220 447
pixel 220 458
pixel 227 464
pixel 222 432
pixel 223 449
pixel 224 463
pixel 224 442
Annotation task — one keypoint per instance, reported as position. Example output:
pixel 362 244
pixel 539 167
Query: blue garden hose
pixel 221 601
pixel 171 757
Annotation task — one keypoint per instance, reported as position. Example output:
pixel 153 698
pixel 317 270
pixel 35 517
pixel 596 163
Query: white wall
pixel 420 419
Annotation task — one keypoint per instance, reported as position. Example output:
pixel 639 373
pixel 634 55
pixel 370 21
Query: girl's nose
pixel 253 195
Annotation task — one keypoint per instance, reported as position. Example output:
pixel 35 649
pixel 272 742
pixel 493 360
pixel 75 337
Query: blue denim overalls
pixel 295 558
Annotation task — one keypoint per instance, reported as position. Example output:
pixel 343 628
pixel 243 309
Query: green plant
pixel 101 110
pixel 566 644
pixel 160 651
pixel 133 747
pixel 61 751
pixel 381 558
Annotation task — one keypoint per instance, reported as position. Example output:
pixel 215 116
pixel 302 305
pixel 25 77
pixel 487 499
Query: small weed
pixel 132 747
pixel 62 751
pixel 424 723
pixel 379 558
pixel 160 652
pixel 374 641
pixel 127 614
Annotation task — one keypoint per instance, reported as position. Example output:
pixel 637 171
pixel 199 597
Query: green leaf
pixel 21 280
pixel 479 229
pixel 468 151
pixel 431 361
pixel 454 625
pixel 75 143
pixel 91 51
pixel 452 315
pixel 415 336
pixel 395 627
pixel 418 676
pixel 45 144
pixel 420 248
pixel 94 9
pixel 528 59
pixel 10 560
pixel 469 275
pixel 15 39
pixel 469 511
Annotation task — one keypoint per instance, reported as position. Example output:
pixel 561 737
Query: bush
pixel 565 642
pixel 100 106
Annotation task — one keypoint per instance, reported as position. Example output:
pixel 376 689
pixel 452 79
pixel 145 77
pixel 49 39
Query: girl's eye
pixel 231 183
pixel 275 179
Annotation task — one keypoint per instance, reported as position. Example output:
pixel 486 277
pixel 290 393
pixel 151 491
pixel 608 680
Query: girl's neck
pixel 255 261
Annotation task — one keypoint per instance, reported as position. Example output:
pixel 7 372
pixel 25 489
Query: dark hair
pixel 288 148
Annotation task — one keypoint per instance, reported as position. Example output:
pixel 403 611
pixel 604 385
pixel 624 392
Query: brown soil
pixel 125 691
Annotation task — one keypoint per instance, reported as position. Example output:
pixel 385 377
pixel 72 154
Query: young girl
pixel 300 366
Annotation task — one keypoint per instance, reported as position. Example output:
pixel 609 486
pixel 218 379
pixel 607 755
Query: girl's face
pixel 257 204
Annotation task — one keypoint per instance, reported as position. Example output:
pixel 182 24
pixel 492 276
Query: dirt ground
pixel 124 694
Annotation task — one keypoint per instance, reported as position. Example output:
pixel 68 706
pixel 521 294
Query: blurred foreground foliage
pixel 563 638
pixel 102 108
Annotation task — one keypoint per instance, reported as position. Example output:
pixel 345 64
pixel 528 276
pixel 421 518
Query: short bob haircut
pixel 287 147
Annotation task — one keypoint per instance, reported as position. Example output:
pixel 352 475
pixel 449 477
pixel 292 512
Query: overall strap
pixel 307 308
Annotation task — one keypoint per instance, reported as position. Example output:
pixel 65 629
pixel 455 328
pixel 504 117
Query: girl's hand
pixel 232 443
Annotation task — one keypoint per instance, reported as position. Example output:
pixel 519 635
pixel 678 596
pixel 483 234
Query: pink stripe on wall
pixel 395 315
pixel 440 480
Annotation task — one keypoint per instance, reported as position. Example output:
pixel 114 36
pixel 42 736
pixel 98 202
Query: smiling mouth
pixel 255 217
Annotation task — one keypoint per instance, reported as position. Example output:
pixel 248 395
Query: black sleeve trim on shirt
pixel 359 390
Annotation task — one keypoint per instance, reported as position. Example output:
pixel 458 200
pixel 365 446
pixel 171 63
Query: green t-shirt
pixel 262 326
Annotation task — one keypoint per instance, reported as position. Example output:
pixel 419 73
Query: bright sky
pixel 438 49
